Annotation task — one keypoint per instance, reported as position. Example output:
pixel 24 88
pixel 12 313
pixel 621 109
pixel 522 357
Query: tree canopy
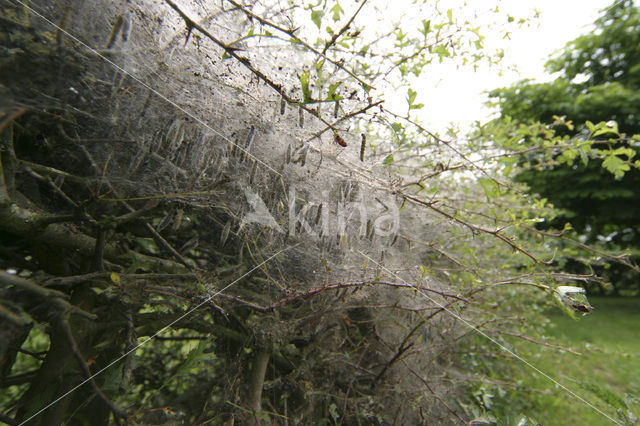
pixel 598 81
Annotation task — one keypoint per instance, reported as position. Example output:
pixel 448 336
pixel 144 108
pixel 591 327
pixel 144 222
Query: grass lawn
pixel 608 341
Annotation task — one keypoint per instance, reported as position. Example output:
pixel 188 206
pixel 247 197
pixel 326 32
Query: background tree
pixel 599 78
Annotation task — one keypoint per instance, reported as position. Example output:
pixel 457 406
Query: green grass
pixel 608 341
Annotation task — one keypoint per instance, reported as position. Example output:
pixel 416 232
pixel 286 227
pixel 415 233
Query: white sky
pixel 457 96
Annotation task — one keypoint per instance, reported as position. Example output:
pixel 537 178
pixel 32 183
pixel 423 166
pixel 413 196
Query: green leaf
pixel 450 16
pixel 423 271
pixel 333 412
pixel 604 128
pixel 605 395
pixel 316 17
pixel 491 188
pixel 583 156
pixel 426 27
pixel 442 51
pixel 615 165
pixel 332 91
pixel 148 244
pixel 337 10
pixel 388 159
pixel 194 359
pixel 115 278
pixel 523 420
pixel 304 83
pixel 411 97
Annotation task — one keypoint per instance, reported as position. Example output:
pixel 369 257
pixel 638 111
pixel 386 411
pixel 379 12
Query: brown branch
pixel 77 279
pixel 338 286
pixel 622 259
pixel 539 342
pixel 346 26
pixel 128 217
pixel 51 171
pixel 618 258
pixel 451 147
pixel 12 115
pixel 182 338
pixel 343 118
pixel 19 379
pixel 248 304
pixel 440 251
pixel 16 319
pixel 37 355
pixel 434 174
pixel 4 191
pixel 58 298
pixel 98 251
pixel 402 348
pixel 130 353
pixel 23 222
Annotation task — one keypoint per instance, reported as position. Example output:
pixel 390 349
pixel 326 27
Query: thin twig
pixel 346 26
pixel 297 40
pixel 231 51
pixel 346 394
pixel 117 412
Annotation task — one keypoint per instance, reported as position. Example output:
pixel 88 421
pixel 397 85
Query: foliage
pixel 592 175
pixel 599 353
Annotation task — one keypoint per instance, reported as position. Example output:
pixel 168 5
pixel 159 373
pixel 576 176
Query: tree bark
pixel 256 380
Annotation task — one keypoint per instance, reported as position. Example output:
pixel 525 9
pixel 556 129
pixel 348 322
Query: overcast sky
pixel 457 94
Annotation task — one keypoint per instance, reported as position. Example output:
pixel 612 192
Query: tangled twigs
pixel 133 214
pixel 450 146
pixel 73 346
pixel 346 394
pixel 59 299
pixel 231 51
pixel 475 228
pixel 402 348
pixel 297 40
pixel 10 115
pixel 435 395
pixel 337 286
pixel 345 117
pixel 346 26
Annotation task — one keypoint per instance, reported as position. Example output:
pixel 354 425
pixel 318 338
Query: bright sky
pixel 457 95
